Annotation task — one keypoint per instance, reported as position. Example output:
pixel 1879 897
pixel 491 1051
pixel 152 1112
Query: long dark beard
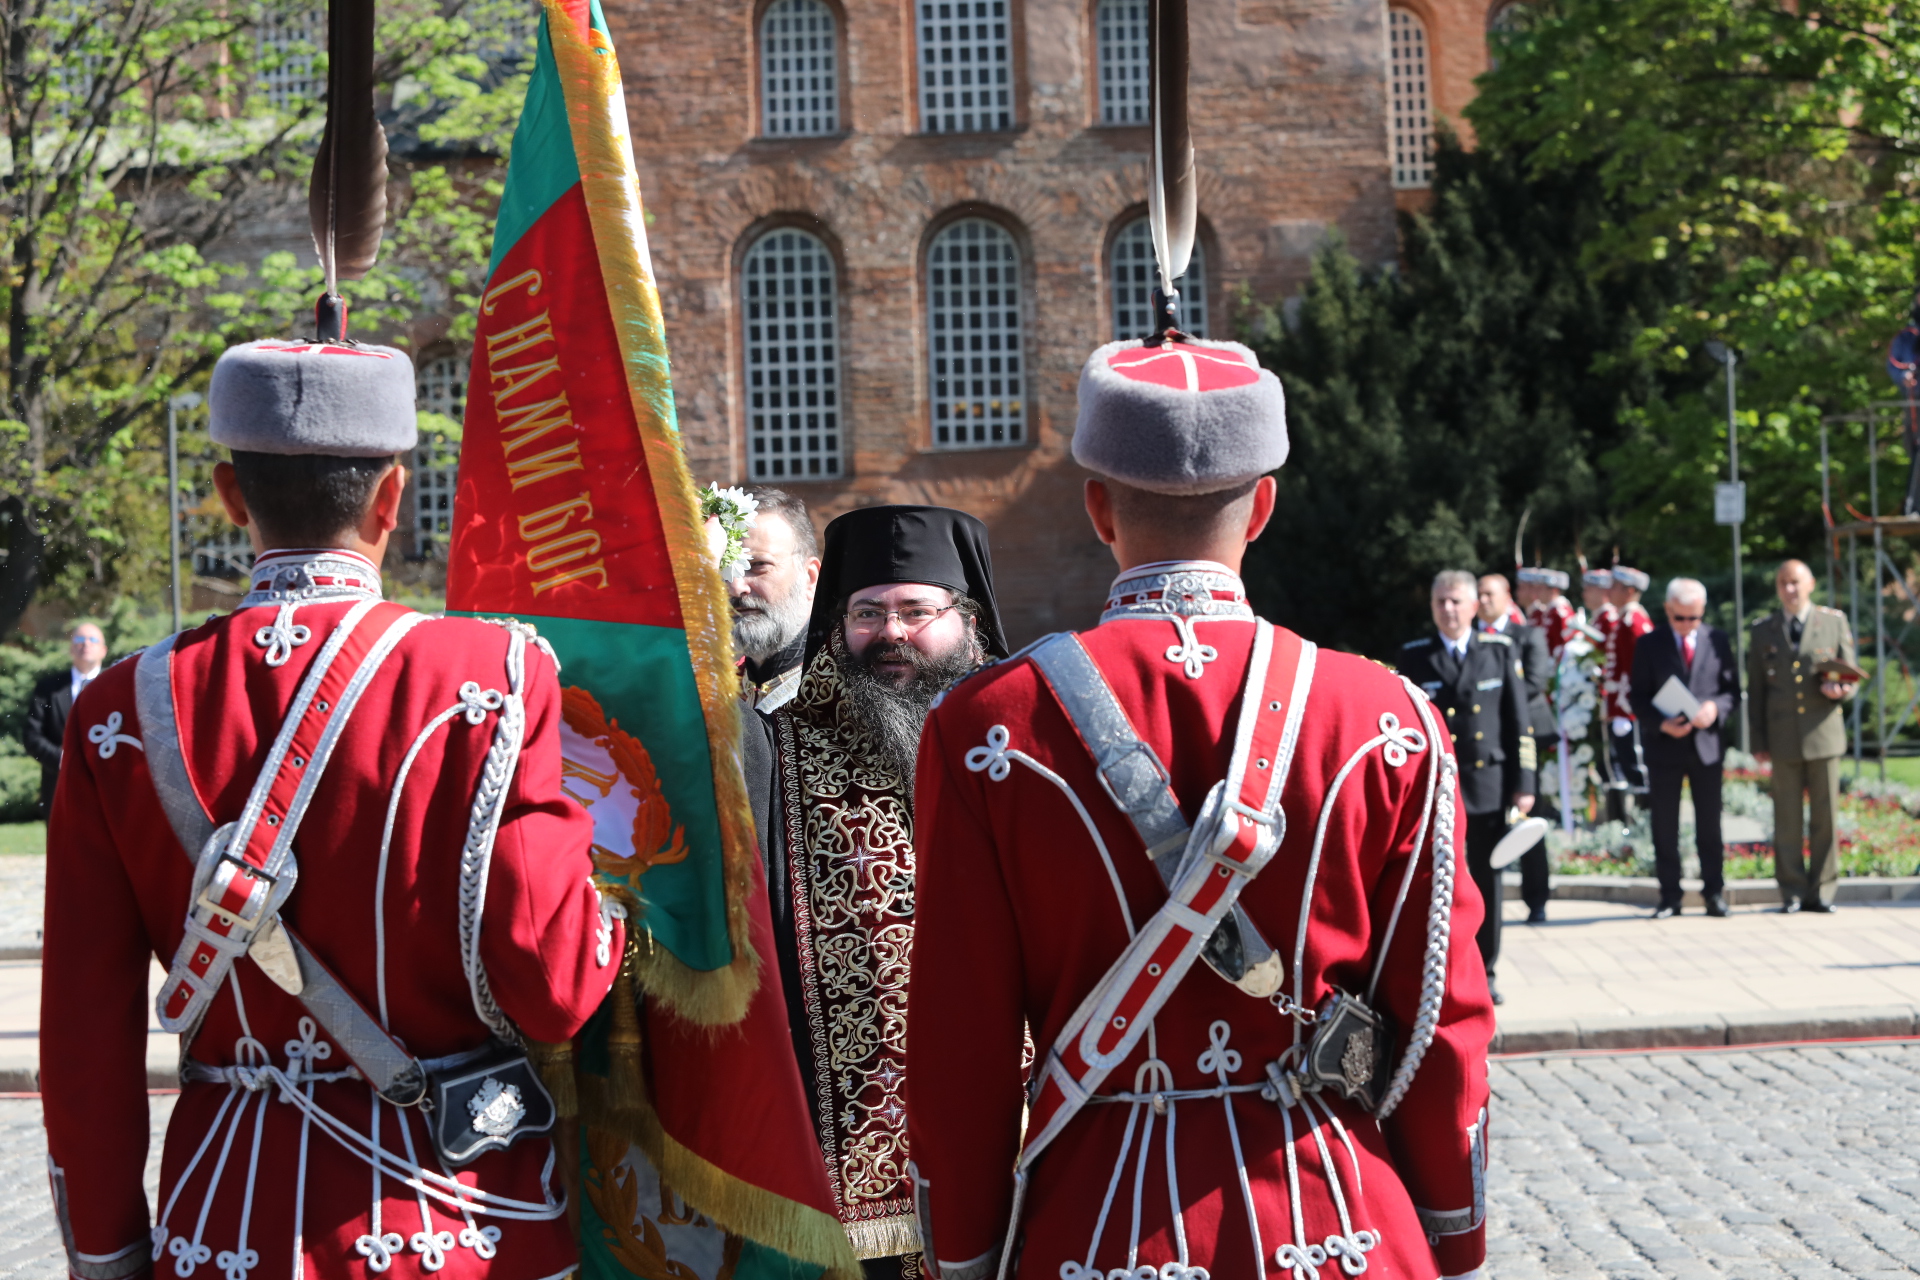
pixel 893 717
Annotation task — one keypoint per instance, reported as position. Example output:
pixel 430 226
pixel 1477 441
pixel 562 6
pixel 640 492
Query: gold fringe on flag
pixel 803 1234
pixel 596 114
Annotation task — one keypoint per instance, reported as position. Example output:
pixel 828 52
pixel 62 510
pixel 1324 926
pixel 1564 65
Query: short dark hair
pixel 306 499
pixel 791 509
pixel 1197 516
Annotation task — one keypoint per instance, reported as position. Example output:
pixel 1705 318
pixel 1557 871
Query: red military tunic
pixel 251 1184
pixel 1556 617
pixel 1628 626
pixel 1018 918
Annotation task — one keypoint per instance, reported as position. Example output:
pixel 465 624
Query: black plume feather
pixel 347 200
pixel 1172 197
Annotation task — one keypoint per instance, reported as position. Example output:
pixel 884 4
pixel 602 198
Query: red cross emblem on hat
pixel 1183 367
pixel 319 349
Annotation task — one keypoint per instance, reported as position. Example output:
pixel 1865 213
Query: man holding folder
pixel 1686 682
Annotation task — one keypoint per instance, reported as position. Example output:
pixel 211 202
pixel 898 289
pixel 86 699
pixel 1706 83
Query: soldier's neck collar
pixel 305 576
pixel 1178 588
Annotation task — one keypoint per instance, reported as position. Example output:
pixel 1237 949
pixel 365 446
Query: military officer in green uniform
pixel 1797 720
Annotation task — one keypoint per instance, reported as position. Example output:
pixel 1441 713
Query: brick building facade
pixel 913 219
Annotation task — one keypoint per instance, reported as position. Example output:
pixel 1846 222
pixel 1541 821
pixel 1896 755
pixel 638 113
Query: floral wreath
pixel 734 508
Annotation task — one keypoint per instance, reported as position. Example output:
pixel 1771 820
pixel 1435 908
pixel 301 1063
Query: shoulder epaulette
pixel 1496 637
pixel 1822 608
pixel 1422 643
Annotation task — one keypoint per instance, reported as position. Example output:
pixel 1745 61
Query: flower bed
pixel 1879 834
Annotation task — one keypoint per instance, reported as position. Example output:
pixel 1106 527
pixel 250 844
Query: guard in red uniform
pixel 1217 871
pixel 339 824
pixel 1543 594
pixel 1623 731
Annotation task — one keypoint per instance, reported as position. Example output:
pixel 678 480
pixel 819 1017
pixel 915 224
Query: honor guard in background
pixel 1215 869
pixel 341 825
pixel 773 599
pixel 1542 593
pixel 1536 666
pixel 1477 681
pixel 1596 598
pixel 1623 731
pixel 1797 721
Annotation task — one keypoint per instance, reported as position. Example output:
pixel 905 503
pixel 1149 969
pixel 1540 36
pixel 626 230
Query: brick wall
pixel 1289 123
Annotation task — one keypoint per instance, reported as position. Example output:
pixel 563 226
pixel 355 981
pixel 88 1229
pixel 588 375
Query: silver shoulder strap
pixel 388 1067
pixel 1135 780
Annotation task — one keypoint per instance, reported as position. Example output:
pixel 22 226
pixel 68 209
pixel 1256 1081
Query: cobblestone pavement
pixel 23 896
pixel 29 1240
pixel 1800 1163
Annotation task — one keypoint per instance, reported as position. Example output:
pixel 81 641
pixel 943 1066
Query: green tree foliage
pixel 1770 149
pixel 147 142
pixel 1429 406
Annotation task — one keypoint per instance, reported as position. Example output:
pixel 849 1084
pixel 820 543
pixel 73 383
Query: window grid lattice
pixel 1133 281
pixel 966 72
pixel 793 362
pixel 223 550
pixel 1121 26
pixel 973 292
pixel 1412 104
pixel 291 40
pixel 799 93
pixel 442 386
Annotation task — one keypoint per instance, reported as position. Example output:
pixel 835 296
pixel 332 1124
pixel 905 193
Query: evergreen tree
pixel 1430 405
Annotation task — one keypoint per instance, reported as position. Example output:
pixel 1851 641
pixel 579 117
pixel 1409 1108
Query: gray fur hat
pixel 1183 417
pixel 350 400
pixel 1633 578
pixel 1555 578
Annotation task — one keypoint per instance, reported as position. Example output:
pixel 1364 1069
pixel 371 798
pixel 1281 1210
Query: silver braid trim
pixel 483 825
pixel 1433 977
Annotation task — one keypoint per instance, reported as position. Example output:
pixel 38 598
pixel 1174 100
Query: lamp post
pixel 1733 510
pixel 186 400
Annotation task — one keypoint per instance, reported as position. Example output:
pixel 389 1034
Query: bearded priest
pixel 904 607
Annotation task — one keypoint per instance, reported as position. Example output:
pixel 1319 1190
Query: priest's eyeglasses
pixel 870 618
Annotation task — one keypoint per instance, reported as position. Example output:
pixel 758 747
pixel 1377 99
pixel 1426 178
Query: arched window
pixel 1502 19
pixel 442 389
pixel 799 90
pixel 1133 280
pixel 1410 100
pixel 288 43
pixel 966 71
pixel 973 322
pixel 1120 31
pixel 793 358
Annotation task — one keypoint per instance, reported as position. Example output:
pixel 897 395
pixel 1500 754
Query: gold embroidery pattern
pixel 850 859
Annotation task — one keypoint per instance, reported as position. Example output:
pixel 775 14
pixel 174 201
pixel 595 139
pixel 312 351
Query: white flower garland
pixel 734 508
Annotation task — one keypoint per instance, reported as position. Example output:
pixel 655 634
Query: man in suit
pixel 1498 615
pixel 1477 681
pixel 52 699
pixel 1796 718
pixel 1685 749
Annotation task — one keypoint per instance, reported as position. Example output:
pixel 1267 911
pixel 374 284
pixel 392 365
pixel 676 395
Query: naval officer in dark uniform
pixel 1476 680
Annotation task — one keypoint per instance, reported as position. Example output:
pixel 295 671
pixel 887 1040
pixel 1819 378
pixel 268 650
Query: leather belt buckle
pixel 253 908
